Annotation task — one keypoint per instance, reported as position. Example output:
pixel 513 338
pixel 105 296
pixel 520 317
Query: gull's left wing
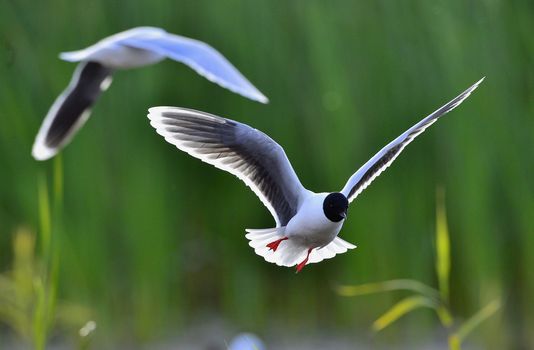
pixel 383 159
pixel 202 58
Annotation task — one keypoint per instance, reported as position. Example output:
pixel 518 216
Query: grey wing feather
pixel 383 159
pixel 237 148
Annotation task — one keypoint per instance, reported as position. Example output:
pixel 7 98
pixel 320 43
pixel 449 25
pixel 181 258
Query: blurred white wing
pixel 383 159
pixel 202 58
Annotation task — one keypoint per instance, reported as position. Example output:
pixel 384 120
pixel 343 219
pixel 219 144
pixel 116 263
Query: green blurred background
pixel 152 240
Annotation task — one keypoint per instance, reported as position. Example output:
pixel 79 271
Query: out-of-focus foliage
pixel 28 291
pixel 426 296
pixel 153 240
pixel 28 300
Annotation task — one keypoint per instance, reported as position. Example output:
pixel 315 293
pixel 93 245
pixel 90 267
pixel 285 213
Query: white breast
pixel 114 55
pixel 310 225
pixel 123 57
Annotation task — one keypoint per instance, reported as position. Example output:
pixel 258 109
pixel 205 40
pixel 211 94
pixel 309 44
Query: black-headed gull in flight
pixel 129 49
pixel 307 223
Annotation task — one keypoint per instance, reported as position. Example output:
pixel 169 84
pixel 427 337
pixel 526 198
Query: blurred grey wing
pixel 71 109
pixel 202 58
pixel 237 148
pixel 383 159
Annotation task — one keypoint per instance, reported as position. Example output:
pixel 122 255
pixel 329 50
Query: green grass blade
pixel 39 327
pixel 386 286
pixel 454 343
pixel 402 308
pixel 44 216
pixel 51 295
pixel 443 254
pixel 58 182
pixel 475 320
pixel 445 316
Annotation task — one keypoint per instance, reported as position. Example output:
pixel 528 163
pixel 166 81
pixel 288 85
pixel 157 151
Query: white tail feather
pixel 337 246
pixel 290 252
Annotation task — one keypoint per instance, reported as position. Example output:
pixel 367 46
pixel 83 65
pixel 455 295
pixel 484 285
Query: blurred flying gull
pixel 129 49
pixel 307 223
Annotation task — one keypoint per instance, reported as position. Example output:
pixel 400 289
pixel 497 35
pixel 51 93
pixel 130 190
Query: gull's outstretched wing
pixel 125 50
pixel 237 148
pixel 71 109
pixel 376 165
pixel 146 45
pixel 201 57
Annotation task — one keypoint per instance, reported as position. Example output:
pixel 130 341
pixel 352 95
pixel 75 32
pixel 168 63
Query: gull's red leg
pixel 303 263
pixel 274 245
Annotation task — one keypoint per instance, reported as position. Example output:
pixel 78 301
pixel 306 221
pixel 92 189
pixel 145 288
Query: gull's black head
pixel 335 206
